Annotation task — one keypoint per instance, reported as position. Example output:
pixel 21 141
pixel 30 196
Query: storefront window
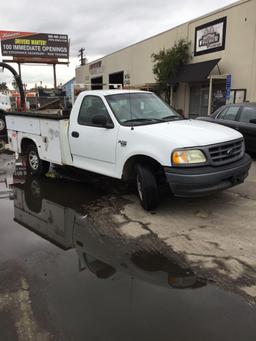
pixel 198 101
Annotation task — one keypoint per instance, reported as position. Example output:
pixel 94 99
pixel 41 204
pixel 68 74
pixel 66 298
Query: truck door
pixel 93 146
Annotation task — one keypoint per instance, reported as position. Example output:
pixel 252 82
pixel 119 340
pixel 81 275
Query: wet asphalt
pixel 65 277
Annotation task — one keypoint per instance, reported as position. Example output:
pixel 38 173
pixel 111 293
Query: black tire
pixel 2 144
pixel 147 187
pixel 3 130
pixel 35 166
pixel 33 194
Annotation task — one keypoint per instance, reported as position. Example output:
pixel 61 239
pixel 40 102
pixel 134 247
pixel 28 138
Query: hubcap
pixel 139 187
pixel 33 160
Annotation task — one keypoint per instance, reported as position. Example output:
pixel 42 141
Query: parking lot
pixel 78 252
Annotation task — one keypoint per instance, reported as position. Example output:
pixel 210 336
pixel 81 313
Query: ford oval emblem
pixel 230 151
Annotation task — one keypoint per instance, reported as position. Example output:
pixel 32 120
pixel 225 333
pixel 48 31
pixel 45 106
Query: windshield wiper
pixel 172 117
pixel 144 119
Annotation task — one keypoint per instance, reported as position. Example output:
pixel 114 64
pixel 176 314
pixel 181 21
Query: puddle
pixel 90 281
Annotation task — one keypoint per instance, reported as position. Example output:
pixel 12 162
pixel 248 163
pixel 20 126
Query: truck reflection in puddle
pixel 59 211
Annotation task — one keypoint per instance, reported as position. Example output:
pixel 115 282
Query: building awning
pixel 195 72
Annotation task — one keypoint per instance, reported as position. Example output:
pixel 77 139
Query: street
pixel 81 259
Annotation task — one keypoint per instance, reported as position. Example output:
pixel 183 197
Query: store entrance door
pixel 198 103
pixel 218 96
pixel 199 98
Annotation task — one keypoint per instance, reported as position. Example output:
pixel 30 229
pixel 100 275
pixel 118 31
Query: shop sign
pixel 30 45
pixel 210 37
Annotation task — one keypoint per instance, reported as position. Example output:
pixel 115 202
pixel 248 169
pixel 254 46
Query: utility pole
pixel 54 76
pixel 81 55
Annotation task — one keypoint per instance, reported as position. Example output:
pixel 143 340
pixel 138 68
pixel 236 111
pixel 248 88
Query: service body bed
pixel 47 131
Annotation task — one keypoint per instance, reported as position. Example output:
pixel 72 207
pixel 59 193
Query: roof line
pixel 221 9
pixel 69 80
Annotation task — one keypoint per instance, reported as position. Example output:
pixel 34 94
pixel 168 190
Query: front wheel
pixel 147 187
pixel 35 165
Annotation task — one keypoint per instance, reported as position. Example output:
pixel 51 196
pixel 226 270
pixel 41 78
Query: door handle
pixel 75 134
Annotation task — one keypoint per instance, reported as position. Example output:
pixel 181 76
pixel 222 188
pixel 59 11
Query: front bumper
pixel 205 180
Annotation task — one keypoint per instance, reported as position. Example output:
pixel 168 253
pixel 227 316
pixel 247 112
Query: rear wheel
pixel 2 145
pixel 33 195
pixel 147 187
pixel 35 165
pixel 2 124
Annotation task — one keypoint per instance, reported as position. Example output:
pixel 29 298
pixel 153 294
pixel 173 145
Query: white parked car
pixel 133 136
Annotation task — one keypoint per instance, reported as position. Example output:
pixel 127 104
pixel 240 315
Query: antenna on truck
pixel 129 93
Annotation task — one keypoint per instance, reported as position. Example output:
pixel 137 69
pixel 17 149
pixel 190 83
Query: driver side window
pixel 92 106
pixel 248 114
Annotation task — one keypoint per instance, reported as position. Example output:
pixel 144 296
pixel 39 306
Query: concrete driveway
pixel 215 235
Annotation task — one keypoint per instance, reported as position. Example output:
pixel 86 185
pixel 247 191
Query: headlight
pixel 186 157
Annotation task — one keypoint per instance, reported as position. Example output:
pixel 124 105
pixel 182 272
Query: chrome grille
pixel 227 152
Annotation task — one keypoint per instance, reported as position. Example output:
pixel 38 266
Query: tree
pixel 167 64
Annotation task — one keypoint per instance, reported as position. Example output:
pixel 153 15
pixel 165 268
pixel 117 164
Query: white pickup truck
pixel 133 135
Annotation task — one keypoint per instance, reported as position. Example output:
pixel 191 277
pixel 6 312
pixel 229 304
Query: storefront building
pixel 67 87
pixel 222 67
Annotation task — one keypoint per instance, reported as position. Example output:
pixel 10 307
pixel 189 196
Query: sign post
pixel 228 87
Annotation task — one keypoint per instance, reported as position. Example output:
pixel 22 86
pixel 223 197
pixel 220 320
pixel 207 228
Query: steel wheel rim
pixel 33 160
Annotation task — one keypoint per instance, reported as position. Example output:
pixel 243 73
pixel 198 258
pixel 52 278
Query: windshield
pixel 140 108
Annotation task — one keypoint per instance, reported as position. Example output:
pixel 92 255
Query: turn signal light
pixel 189 156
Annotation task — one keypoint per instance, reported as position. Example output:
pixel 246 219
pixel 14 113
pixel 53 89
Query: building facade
pixel 222 66
pixel 67 87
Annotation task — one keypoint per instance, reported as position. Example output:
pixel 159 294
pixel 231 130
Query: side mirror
pixel 253 120
pixel 102 121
